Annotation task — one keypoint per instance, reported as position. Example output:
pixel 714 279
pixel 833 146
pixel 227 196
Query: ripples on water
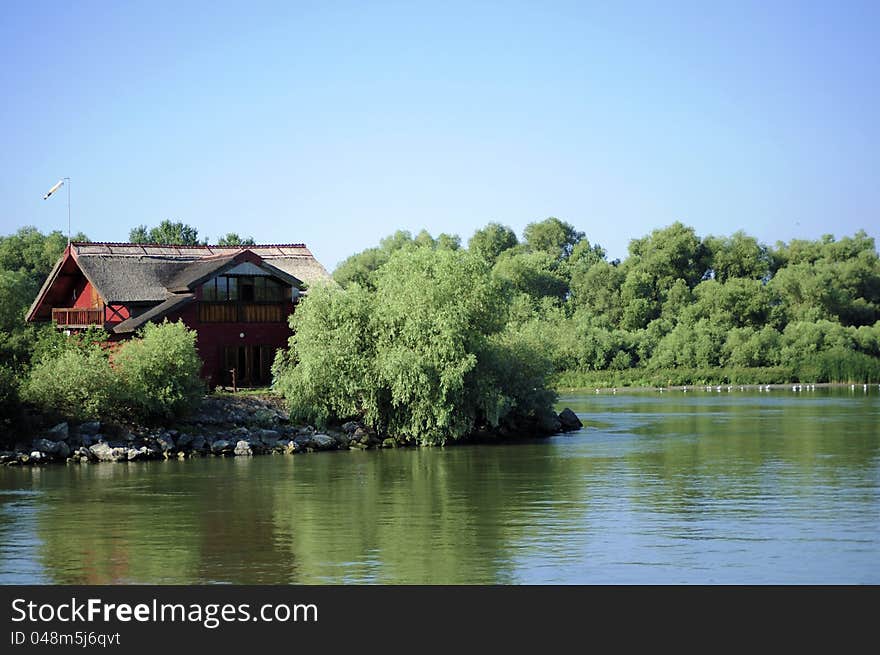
pixel 702 488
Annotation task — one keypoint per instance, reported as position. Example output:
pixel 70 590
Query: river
pixel 697 487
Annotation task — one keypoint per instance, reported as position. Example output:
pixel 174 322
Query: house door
pixel 252 365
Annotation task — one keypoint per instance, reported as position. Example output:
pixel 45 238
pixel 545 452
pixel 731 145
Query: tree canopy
pixel 166 233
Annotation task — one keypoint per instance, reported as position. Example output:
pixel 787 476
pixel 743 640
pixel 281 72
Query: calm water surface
pixel 673 488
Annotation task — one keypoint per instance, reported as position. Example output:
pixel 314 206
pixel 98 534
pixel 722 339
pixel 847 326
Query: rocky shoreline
pixel 236 426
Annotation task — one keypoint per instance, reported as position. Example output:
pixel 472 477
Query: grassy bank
pixel 830 367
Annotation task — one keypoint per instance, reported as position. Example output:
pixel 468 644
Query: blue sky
pixel 337 123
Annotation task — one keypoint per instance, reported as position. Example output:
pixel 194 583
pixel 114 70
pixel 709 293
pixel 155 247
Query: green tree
pixel 233 239
pixel 166 233
pixel 737 256
pixel 552 236
pixel 490 241
pixel 422 358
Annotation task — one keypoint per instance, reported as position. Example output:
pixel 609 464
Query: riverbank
pixel 223 426
pixel 774 376
pixel 721 388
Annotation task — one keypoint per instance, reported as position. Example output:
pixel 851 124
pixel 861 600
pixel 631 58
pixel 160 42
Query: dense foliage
pixel 166 233
pixel 680 308
pixel 417 350
pixel 158 372
pixel 153 376
pixel 26 258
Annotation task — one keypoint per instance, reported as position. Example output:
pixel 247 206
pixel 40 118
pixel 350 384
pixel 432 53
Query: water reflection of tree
pixel 693 454
pixel 448 516
pixel 424 516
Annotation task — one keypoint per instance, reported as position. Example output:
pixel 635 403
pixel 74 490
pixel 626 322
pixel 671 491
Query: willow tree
pixel 422 357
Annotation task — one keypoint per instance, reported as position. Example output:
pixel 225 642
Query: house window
pixel 243 299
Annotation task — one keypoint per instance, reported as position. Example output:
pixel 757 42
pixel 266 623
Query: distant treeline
pixel 679 308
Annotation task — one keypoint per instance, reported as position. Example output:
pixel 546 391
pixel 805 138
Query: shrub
pixel 77 383
pixel 158 373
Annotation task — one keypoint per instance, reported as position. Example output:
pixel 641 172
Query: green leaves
pixel 154 376
pixel 419 358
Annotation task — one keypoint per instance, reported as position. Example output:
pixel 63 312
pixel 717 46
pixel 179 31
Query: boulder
pixel 91 427
pixel 350 427
pixel 184 441
pixel 91 439
pixel 323 441
pixel 222 446
pixel 59 432
pixel 291 447
pixel 389 443
pixel 165 442
pixel 303 441
pixel 239 432
pixel 243 448
pixel 569 420
pixel 103 452
pixel 268 437
pixel 133 454
pixel 198 443
pixel 46 447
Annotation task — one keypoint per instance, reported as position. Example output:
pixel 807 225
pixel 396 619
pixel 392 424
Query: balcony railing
pixel 78 318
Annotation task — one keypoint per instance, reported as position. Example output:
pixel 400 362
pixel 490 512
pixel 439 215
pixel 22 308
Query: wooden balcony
pixel 241 312
pixel 77 318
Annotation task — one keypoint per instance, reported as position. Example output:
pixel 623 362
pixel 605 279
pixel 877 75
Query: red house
pixel 237 298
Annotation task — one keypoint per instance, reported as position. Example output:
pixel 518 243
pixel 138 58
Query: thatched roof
pixel 134 273
pixel 148 274
pixel 293 258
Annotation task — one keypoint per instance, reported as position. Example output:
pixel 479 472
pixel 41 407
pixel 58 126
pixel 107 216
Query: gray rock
pixel 133 454
pixel 166 442
pixel 239 432
pixel 243 448
pixel 63 450
pixel 36 457
pixel 221 446
pixel 91 439
pixel 389 443
pixel 92 427
pixel 569 420
pixel 46 447
pixel 59 432
pixel 268 437
pixel 292 447
pixel 351 426
pixel 323 441
pixel 184 441
pixel 198 443
pixel 105 453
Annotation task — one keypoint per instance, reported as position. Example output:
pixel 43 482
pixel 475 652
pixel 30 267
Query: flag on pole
pixel 54 189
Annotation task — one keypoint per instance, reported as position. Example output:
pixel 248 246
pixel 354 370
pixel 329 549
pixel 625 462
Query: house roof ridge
pixel 176 245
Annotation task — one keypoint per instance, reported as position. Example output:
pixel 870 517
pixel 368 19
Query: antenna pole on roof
pixel 68 210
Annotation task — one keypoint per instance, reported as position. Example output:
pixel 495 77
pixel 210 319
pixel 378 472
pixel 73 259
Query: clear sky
pixel 337 123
